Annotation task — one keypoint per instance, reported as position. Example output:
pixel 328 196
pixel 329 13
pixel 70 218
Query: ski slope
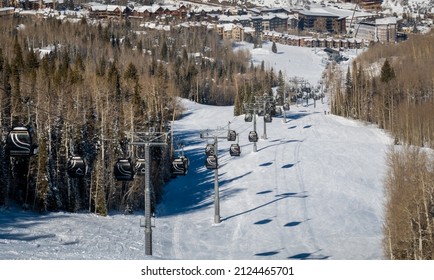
pixel 313 190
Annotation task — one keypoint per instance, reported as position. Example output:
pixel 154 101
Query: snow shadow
pixel 223 182
pixel 195 190
pixel 278 197
pixel 308 256
pixel 17 225
pixel 263 222
pixel 280 143
pixel 264 192
pixel 300 114
pixel 269 253
pixel 292 224
pixel 190 138
pixel 296 116
pixel 289 165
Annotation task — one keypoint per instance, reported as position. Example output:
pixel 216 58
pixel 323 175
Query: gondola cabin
pixel 277 111
pixel 232 135
pixel 20 142
pixel 248 117
pixel 253 136
pixel 209 150
pixel 211 162
pixel 185 160
pixel 76 167
pixel 235 150
pixel 124 170
pixel 140 167
pixel 268 118
pixel 180 166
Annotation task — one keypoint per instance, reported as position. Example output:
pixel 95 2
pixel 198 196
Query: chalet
pixel 100 11
pixel 142 12
pixel 115 11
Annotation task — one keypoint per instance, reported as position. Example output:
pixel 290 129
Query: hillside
pixel 313 190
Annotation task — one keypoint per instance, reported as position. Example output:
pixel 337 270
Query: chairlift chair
pixel 124 170
pixel 76 167
pixel 211 162
pixel 209 150
pixel 253 136
pixel 20 142
pixel 235 150
pixel 140 167
pixel 232 135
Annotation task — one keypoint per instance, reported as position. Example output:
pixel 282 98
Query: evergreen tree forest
pixel 98 83
pixel 393 86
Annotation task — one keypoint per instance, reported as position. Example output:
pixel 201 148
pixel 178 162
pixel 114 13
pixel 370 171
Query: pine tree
pixel 387 72
pixel 280 88
pixel 274 47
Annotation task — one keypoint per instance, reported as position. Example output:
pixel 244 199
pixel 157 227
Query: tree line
pixel 97 83
pixel 393 87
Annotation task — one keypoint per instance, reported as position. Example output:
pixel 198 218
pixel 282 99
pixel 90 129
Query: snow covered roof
pixel 317 14
pixel 385 21
pixel 112 8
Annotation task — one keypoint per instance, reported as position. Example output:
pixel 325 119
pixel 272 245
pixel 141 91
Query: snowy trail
pixel 313 190
pixel 287 200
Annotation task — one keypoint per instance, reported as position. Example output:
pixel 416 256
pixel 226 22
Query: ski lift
pixel 267 118
pixel 235 150
pixel 124 169
pixel 140 166
pixel 232 135
pixel 76 167
pixel 253 136
pixel 209 150
pixel 277 111
pixel 248 117
pixel 19 142
pixel 211 162
pixel 180 166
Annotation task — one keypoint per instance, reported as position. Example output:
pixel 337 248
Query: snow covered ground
pixel 313 190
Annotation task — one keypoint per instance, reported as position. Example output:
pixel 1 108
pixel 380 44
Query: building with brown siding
pixel 321 22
